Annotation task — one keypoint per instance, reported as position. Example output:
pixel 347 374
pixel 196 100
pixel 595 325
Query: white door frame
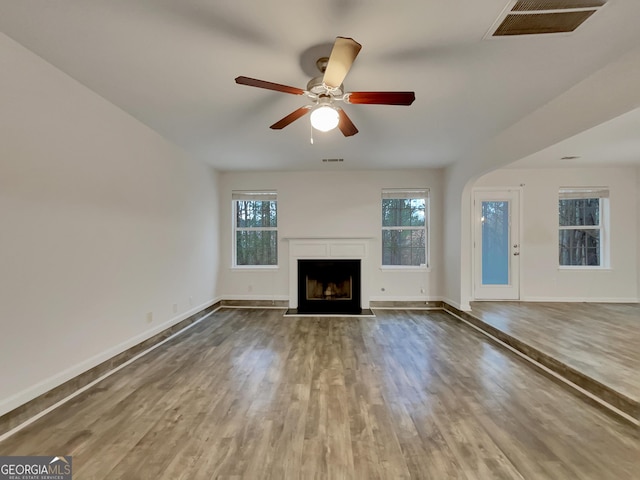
pixel 497 292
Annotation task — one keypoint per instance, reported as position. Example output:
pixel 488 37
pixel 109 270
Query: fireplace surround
pixel 325 249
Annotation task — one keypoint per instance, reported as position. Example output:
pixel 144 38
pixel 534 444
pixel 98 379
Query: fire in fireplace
pixel 329 286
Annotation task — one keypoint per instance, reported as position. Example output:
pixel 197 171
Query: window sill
pixel 254 268
pixel 407 268
pixel 577 268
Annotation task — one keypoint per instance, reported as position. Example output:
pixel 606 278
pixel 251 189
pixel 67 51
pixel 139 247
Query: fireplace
pixel 329 286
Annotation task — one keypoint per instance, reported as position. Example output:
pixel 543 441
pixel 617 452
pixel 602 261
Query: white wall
pixel 540 277
pixel 331 204
pixel 102 222
pixel 638 230
pixel 606 94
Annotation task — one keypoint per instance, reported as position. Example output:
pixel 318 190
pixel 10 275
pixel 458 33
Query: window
pixel 581 214
pixel 255 228
pixel 405 221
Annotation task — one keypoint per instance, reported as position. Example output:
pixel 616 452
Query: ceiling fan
pixel 326 90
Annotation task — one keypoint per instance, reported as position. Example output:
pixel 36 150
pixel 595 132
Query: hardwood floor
pixel 601 340
pixel 408 394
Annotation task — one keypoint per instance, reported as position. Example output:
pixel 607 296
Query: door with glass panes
pixel 496 244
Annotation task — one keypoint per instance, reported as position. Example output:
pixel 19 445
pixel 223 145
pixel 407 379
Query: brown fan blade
pixel 382 98
pixel 345 125
pixel 252 82
pixel 344 52
pixel 292 117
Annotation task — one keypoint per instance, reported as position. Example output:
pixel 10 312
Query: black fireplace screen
pixel 318 290
pixel 329 286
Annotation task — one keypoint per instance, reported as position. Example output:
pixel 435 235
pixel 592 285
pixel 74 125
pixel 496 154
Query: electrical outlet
pixel 250 288
pixel 422 290
pixel 175 308
pixel 191 301
pixel 149 317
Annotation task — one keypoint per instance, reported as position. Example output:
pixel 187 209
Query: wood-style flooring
pixel 249 394
pixel 601 340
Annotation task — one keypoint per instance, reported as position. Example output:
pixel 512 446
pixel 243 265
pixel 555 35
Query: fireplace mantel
pixel 356 248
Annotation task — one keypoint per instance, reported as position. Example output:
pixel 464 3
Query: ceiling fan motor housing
pixel 317 87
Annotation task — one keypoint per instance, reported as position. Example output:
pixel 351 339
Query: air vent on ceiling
pixel 333 160
pixel 535 17
pixel 535 5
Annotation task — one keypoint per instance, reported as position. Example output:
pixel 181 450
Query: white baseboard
pixel 388 298
pixel 580 299
pixel 28 394
pixel 463 307
pixel 255 297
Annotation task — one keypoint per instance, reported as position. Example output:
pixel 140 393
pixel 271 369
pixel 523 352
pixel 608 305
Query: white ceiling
pixel 613 143
pixel 172 64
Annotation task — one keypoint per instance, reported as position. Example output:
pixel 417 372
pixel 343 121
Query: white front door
pixel 496 244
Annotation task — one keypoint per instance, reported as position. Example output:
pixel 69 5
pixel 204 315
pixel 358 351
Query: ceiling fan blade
pixel 252 82
pixel 292 117
pixel 344 52
pixel 382 98
pixel 345 125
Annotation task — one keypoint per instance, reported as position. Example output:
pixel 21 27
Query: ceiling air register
pixel 535 17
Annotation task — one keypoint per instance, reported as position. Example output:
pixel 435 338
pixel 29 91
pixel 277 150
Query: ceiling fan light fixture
pixel 324 118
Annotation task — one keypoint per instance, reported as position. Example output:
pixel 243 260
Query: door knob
pixel 516 253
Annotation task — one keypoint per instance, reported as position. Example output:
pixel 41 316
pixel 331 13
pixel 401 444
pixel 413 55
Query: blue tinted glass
pixel 495 243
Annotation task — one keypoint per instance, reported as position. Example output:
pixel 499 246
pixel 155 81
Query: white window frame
pixel 408 193
pixel 261 195
pixel 578 193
